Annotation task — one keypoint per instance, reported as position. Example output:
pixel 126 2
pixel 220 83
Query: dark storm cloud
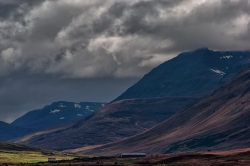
pixel 62 50
pixel 6 10
pixel 23 91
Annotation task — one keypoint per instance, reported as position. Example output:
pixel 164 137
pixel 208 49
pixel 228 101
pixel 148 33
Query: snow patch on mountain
pixel 226 57
pixel 77 105
pixel 62 118
pixel 62 106
pixel 54 111
pixel 218 71
pixel 79 114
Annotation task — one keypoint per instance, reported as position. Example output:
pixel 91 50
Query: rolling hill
pixel 110 123
pixel 219 121
pixel 16 147
pixel 55 114
pixel 195 73
pixel 15 154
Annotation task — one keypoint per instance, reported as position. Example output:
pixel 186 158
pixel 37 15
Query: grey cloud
pixel 24 91
pixel 65 48
pixel 6 10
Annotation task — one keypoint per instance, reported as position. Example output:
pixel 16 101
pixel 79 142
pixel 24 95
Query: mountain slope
pixel 16 147
pixel 8 131
pixel 219 121
pixel 193 73
pixel 109 123
pixel 55 114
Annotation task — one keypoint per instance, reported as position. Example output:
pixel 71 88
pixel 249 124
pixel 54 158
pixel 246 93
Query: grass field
pixel 31 158
pixel 28 157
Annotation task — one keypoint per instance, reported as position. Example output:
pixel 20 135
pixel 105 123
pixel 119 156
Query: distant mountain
pixel 110 123
pixel 9 131
pixel 219 121
pixel 55 114
pixel 194 73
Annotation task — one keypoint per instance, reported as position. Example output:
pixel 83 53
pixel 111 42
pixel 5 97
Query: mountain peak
pixel 202 49
pixel 195 73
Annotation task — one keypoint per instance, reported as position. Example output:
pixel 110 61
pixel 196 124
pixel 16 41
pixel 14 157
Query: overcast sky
pixel 93 50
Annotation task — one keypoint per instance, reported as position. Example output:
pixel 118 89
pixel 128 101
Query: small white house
pixel 51 160
pixel 128 155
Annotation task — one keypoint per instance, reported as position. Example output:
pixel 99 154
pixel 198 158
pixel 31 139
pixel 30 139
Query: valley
pixel 124 82
pixel 198 126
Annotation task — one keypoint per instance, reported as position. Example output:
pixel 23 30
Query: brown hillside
pixel 16 147
pixel 110 123
pixel 218 121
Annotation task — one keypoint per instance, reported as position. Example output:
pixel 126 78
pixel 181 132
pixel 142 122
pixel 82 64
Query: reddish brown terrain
pixel 110 123
pixel 220 121
pixel 222 158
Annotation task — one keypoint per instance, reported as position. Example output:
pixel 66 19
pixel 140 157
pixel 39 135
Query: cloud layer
pixel 76 40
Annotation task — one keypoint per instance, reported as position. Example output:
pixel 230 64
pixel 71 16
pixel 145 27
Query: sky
pixel 93 50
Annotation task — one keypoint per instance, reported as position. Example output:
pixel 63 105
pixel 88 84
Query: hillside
pixel 16 147
pixel 109 123
pixel 194 73
pixel 219 121
pixel 55 114
pixel 8 131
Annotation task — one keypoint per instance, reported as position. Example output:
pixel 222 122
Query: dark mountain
pixel 55 114
pixel 110 123
pixel 219 121
pixel 8 131
pixel 194 73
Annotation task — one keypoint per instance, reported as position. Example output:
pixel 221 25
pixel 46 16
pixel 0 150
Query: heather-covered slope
pixel 55 114
pixel 109 123
pixel 218 121
pixel 194 73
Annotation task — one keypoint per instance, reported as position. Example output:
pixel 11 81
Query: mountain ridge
pixel 219 121
pixel 57 113
pixel 202 70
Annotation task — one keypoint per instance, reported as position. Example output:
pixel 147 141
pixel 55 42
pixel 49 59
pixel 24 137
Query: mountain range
pixel 55 114
pixel 171 109
pixel 219 121
pixel 110 123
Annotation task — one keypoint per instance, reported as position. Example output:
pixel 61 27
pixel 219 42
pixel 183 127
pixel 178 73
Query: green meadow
pixel 28 157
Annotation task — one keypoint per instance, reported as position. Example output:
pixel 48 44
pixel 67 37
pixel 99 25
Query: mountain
pixel 110 123
pixel 219 121
pixel 55 114
pixel 8 131
pixel 194 73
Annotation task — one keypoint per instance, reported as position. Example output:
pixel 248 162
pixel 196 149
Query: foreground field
pixel 229 158
pixel 15 157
